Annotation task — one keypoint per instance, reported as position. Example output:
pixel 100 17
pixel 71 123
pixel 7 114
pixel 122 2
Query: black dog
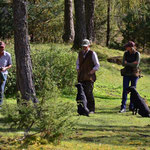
pixel 139 103
pixel 81 101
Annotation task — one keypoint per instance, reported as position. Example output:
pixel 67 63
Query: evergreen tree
pixel 89 11
pixel 108 23
pixel 80 23
pixel 22 51
pixel 68 22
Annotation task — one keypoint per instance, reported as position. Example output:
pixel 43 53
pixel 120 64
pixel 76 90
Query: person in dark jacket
pixel 131 60
pixel 87 64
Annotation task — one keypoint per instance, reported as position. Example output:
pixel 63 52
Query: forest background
pixel 115 21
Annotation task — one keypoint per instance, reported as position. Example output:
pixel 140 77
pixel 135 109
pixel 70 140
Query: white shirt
pixel 5 60
pixel 94 59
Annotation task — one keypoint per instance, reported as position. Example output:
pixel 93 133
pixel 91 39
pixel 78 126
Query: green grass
pixel 107 129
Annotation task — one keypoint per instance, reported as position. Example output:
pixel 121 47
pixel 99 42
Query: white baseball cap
pixel 85 42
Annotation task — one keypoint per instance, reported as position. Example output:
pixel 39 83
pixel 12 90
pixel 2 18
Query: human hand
pixel 4 69
pixel 135 62
pixel 125 62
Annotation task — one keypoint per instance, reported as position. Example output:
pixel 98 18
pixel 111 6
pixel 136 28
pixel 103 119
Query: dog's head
pixel 131 89
pixel 79 86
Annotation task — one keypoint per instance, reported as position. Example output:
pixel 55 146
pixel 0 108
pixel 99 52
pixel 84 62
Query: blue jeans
pixel 126 81
pixel 2 87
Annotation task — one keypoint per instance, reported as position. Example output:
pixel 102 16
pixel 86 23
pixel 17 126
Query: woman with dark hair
pixel 131 60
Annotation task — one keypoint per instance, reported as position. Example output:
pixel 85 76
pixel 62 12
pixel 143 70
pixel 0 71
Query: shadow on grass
pixel 122 132
pixel 107 97
pixel 145 129
pixel 116 135
pixel 108 110
pixel 7 130
pixel 5 127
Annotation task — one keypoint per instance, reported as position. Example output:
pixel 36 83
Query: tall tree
pixel 108 23
pixel 80 24
pixel 22 51
pixel 68 22
pixel 89 10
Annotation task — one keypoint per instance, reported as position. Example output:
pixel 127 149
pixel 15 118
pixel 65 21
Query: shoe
pixel 92 112
pixel 122 111
pixel 131 109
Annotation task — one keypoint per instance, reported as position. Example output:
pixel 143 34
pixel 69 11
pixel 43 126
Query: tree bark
pixel 68 22
pixel 22 51
pixel 108 23
pixel 80 24
pixel 89 10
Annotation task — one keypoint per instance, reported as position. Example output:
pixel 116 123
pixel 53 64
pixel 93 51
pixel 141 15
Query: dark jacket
pixel 130 68
pixel 85 66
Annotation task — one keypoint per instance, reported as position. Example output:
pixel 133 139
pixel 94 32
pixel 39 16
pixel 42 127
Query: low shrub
pixel 51 62
pixel 59 63
pixel 50 119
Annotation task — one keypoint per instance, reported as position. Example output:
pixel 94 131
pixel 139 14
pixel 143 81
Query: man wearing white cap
pixel 5 64
pixel 87 64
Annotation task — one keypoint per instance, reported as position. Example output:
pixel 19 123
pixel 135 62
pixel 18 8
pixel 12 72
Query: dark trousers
pixel 126 82
pixel 88 90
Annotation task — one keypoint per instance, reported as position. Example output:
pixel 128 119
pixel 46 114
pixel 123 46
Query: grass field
pixel 107 129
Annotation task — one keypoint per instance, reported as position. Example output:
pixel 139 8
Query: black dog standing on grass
pixel 81 101
pixel 139 103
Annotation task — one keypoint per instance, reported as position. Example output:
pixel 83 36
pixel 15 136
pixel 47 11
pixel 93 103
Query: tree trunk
pixel 80 25
pixel 89 10
pixel 68 22
pixel 108 23
pixel 22 51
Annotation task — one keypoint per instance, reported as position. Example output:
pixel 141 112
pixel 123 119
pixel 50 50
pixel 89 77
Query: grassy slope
pixel 107 129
